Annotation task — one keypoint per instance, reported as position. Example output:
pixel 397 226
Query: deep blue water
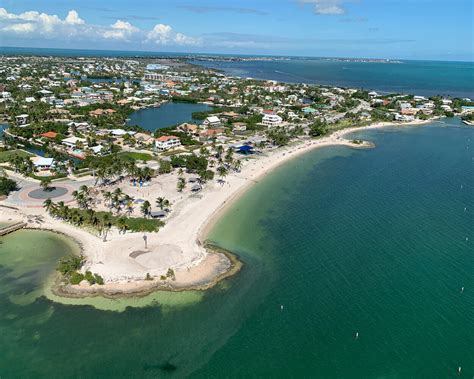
pixel 425 78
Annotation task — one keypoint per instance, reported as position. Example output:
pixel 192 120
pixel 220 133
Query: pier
pixel 11 228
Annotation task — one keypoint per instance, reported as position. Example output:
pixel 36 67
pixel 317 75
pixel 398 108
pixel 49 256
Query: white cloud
pixel 37 23
pixel 73 18
pixel 120 30
pixel 33 24
pixel 327 7
pixel 163 34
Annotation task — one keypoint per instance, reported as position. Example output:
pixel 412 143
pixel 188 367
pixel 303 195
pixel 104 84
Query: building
pixel 212 121
pixel 239 126
pixel 22 120
pixel 42 163
pixel 167 142
pixel 271 119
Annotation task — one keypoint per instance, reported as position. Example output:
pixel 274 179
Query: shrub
pixel 89 277
pixel 76 278
pixel 99 279
pixel 71 264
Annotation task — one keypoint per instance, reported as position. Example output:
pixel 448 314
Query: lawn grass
pixel 6 156
pixel 135 156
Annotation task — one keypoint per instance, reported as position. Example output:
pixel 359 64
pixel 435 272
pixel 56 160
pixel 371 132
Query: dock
pixel 11 228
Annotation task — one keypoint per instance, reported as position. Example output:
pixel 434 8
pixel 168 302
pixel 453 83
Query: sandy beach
pixel 124 262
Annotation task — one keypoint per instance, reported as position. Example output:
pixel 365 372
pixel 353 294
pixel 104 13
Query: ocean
pixel 336 242
pixel 425 78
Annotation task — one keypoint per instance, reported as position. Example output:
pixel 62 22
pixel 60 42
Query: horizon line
pixel 224 54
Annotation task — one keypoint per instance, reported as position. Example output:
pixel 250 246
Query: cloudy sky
pixel 409 29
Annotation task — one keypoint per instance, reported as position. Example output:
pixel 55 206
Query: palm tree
pixel 48 204
pixel 122 224
pixel 107 197
pixel 222 171
pixel 106 224
pixel 162 202
pixel 45 184
pixel 237 163
pixel 145 208
pixel 181 184
pixel 180 172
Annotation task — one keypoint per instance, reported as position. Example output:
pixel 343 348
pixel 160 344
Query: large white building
pixel 271 119
pixel 167 142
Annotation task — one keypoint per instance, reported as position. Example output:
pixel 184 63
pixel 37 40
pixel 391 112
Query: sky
pixel 404 29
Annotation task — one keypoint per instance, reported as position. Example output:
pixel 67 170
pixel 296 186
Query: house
pixel 211 133
pixel 189 128
pixel 71 142
pixel 50 135
pixel 239 126
pixel 167 142
pixel 271 119
pixel 212 121
pixel 99 112
pixel 409 111
pixel 42 163
pixel 22 120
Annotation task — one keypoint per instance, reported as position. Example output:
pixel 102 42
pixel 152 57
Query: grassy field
pixel 6 156
pixel 135 156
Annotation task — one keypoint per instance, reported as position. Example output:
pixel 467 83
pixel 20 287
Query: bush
pixel 89 277
pixel 99 279
pixel 71 264
pixel 76 278
pixel 7 186
pixel 148 276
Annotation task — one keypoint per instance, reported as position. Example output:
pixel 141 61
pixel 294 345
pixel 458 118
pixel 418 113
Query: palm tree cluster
pixel 101 222
pixel 114 167
pixel 83 197
pixel 22 165
pixel 118 201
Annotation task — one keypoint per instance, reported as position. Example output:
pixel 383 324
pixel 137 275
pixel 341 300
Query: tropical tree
pixel 162 203
pixel 145 208
pixel 181 184
pixel 45 184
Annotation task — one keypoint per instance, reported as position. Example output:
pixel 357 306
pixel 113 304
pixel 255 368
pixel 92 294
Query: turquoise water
pixel 168 114
pixel 369 241
pixel 415 77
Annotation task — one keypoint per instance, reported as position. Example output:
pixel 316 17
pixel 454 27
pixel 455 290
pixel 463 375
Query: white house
pixel 22 120
pixel 167 142
pixel 42 163
pixel 72 141
pixel 212 121
pixel 271 119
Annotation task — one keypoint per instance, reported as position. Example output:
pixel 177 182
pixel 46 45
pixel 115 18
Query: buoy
pixel 357 335
pixel 462 289
pixel 459 369
pixel 281 307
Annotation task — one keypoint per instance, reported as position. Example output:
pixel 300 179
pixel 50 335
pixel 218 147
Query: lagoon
pixel 167 115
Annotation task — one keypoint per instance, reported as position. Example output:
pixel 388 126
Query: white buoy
pixel 462 289
pixel 281 307
pixel 357 335
pixel 459 369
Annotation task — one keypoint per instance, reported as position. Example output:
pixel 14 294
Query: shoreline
pixel 182 243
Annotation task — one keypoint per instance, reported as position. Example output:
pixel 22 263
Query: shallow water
pixel 347 241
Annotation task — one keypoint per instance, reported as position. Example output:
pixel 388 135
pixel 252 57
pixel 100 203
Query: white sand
pixel 178 244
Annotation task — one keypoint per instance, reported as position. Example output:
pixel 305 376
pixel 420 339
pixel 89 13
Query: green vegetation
pixel 69 265
pixel 131 155
pixel 100 221
pixel 8 155
pixel 318 128
pixel 7 186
